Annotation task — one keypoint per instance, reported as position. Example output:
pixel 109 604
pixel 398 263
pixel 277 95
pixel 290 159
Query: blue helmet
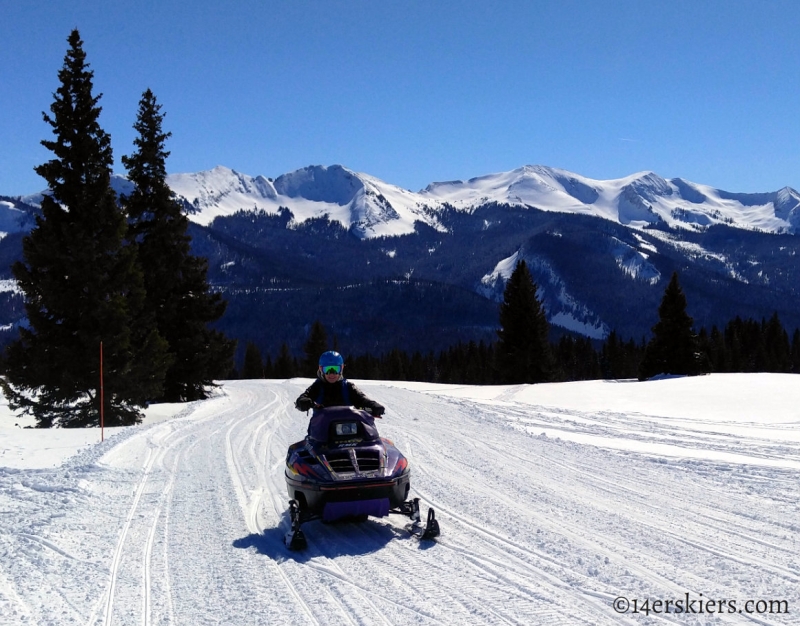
pixel 329 358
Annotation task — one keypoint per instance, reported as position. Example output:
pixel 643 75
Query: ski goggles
pixel 331 369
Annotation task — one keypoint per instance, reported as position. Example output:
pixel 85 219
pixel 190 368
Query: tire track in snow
pixel 115 561
pixel 596 605
pixel 393 557
pixel 13 595
pixel 522 564
pixel 250 510
pixel 236 473
pixel 163 444
pixel 634 492
pixel 148 556
pixel 402 564
pixel 576 494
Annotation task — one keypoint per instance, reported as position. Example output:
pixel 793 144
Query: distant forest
pixel 743 345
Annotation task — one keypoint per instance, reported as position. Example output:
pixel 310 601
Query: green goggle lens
pixel 332 369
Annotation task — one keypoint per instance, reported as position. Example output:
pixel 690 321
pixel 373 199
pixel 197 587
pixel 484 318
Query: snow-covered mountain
pixel 374 208
pixel 371 207
pixel 638 200
pixel 329 242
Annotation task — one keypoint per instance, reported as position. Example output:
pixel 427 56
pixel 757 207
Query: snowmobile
pixel 344 470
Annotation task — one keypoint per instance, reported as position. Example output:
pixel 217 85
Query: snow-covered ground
pixel 559 504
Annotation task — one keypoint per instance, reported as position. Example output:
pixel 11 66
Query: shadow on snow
pixel 330 540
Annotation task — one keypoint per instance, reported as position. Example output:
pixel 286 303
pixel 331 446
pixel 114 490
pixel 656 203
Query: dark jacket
pixel 340 393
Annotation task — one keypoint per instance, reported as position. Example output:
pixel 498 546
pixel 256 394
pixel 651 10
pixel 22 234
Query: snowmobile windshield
pixel 337 423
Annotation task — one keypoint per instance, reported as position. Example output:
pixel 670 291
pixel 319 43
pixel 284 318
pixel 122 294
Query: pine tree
pixel 175 280
pixel 613 357
pixel 674 346
pixel 253 366
pixel 316 344
pixel 777 347
pixel 285 365
pixel 523 352
pixel 82 284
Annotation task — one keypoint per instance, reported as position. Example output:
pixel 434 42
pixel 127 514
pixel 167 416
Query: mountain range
pixel 385 267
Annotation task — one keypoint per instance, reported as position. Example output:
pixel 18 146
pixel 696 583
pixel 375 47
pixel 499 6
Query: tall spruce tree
pixel 316 344
pixel 777 347
pixel 523 352
pixel 175 281
pixel 253 366
pixel 674 347
pixel 81 283
pixel 285 364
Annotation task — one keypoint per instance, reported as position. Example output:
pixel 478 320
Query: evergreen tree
pixel 316 344
pixel 523 352
pixel 253 366
pixel 796 351
pixel 633 357
pixel 674 346
pixel 777 348
pixel 717 351
pixel 613 357
pixel 396 365
pixel 269 368
pixel 733 345
pixel 82 284
pixel 285 365
pixel 175 280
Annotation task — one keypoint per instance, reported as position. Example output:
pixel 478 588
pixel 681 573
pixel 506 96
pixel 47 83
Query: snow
pixel 373 207
pixel 554 500
pixel 9 284
pixel 566 319
pixel 502 271
pixel 637 200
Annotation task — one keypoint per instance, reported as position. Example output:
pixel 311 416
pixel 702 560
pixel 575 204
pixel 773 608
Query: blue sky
pixel 416 91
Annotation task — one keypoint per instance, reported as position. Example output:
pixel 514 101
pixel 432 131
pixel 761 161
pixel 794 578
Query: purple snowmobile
pixel 344 470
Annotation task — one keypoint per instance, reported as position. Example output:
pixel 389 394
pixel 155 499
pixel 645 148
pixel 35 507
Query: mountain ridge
pixel 375 208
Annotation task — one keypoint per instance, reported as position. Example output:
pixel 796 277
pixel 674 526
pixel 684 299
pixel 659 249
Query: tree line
pixel 524 352
pixel 109 282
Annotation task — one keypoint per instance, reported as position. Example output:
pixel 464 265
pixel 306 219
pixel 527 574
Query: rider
pixel 332 389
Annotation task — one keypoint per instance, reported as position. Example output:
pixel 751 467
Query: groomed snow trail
pixel 182 522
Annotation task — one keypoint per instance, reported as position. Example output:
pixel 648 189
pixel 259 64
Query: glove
pixel 304 404
pixel 378 410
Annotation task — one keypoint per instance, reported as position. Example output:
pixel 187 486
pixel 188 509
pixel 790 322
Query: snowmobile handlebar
pixel 373 413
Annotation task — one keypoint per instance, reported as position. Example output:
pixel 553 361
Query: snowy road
pixel 548 515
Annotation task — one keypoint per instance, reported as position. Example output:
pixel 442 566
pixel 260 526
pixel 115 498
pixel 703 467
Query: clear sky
pixel 416 91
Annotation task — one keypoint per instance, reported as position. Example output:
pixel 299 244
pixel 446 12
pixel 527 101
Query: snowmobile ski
pixel 295 539
pixel 430 530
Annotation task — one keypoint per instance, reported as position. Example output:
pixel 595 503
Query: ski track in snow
pixel 182 522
